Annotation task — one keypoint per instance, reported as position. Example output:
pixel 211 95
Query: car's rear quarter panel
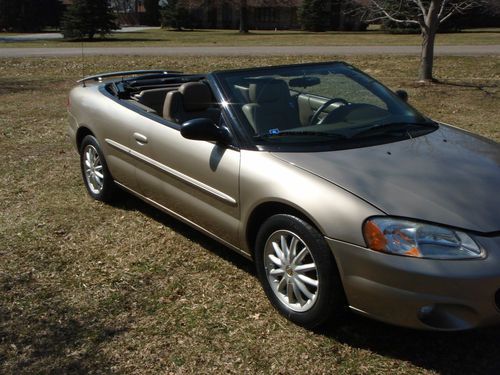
pixel 106 119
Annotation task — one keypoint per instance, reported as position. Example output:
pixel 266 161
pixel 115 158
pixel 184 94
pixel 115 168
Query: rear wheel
pixel 297 271
pixel 95 173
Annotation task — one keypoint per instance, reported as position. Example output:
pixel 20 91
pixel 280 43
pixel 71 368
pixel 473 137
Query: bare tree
pixel 493 6
pixel 427 14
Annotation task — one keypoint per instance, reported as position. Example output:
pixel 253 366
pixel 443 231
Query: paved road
pixel 468 50
pixel 45 36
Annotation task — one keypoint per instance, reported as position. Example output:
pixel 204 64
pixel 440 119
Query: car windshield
pixel 318 103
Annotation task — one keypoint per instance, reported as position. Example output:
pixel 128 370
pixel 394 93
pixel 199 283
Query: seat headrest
pixel 196 96
pixel 268 91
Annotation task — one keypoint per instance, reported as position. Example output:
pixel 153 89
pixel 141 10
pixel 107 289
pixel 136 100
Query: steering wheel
pixel 324 106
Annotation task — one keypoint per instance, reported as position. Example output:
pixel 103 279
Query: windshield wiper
pixel 389 127
pixel 300 133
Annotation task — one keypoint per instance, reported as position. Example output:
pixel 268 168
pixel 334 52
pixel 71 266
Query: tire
pixel 304 285
pixel 95 172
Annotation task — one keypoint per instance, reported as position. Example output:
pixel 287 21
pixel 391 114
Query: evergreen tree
pixel 29 15
pixel 86 18
pixel 174 15
pixel 314 15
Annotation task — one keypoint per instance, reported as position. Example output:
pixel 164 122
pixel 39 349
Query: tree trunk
pixel 243 16
pixel 341 25
pixel 427 56
pixel 429 29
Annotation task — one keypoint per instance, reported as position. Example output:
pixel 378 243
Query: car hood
pixel 448 176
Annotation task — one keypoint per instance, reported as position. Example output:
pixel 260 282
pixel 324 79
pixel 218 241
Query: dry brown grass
pixel 91 288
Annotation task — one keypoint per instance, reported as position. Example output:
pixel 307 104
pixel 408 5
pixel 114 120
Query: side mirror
pixel 402 94
pixel 204 129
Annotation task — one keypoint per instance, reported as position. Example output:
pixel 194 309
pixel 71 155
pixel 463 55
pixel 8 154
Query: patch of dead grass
pixel 91 288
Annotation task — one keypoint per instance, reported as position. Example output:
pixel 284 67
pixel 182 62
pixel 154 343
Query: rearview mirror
pixel 204 129
pixel 304 82
pixel 402 94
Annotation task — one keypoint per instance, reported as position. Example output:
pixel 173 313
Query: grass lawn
pixel 158 38
pixel 91 288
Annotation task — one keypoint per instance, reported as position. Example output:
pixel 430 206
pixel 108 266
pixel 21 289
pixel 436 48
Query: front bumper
pixel 422 293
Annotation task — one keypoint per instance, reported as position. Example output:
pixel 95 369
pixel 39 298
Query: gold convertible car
pixel 341 193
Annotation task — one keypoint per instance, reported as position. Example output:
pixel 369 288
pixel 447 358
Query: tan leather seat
pixel 191 100
pixel 270 107
pixel 154 98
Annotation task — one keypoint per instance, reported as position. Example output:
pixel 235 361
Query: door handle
pixel 140 138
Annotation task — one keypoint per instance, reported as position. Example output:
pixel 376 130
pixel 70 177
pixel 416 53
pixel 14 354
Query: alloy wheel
pixel 93 169
pixel 291 270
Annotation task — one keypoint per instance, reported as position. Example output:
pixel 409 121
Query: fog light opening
pixel 497 299
pixel 448 317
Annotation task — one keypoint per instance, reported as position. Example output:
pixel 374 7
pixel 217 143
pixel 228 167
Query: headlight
pixel 403 237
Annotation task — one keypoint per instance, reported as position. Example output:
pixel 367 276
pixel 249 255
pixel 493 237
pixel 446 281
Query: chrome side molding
pixel 181 176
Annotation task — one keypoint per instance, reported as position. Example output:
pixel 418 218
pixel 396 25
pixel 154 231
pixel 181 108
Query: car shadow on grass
pixel 132 203
pixel 469 352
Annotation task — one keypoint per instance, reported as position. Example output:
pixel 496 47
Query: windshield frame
pixel 256 141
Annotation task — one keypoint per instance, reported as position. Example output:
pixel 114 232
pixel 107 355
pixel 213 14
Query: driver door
pixel 196 180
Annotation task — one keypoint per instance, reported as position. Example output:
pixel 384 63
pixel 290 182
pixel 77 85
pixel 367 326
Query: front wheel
pixel 297 271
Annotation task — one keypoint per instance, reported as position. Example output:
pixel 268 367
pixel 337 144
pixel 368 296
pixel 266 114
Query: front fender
pixel 336 212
